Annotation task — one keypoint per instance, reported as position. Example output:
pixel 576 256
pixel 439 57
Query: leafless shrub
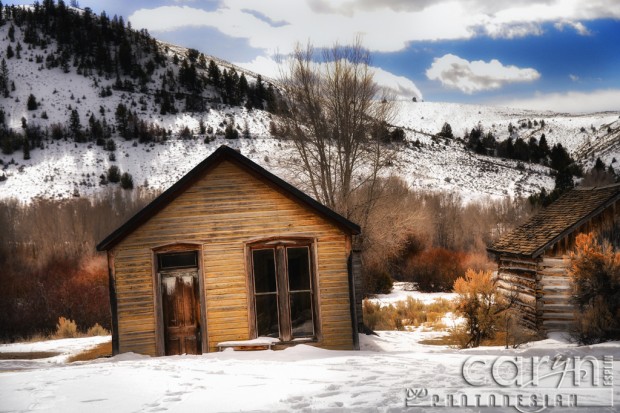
pixel 48 261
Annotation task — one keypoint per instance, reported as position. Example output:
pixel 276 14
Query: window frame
pixel 279 246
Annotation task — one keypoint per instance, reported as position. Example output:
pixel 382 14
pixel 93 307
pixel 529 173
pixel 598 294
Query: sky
pixel 561 55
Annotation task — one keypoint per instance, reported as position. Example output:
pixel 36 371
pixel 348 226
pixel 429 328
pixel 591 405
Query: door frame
pixel 160 344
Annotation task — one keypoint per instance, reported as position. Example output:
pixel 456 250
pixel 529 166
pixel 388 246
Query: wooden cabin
pixel 533 260
pixel 232 254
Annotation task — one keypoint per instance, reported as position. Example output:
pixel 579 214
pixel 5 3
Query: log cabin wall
pixel 543 283
pixel 557 313
pixel 519 275
pixel 221 212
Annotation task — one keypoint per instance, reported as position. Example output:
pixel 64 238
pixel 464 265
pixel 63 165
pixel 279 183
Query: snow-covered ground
pixel 65 348
pixel 403 290
pixel 382 377
pixel 300 378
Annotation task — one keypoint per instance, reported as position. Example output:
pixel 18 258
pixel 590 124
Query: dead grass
pixel 100 351
pixel 447 340
pixel 28 355
pixel 409 313
pixel 455 341
pixel 35 338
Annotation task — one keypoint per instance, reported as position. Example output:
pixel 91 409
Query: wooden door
pixel 181 308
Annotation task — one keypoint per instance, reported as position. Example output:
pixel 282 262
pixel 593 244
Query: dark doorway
pixel 178 272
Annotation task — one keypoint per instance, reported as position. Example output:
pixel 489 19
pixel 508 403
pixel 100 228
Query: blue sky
pixel 561 55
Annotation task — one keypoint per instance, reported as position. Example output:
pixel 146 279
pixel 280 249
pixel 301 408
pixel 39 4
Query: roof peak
pixel 558 220
pixel 223 152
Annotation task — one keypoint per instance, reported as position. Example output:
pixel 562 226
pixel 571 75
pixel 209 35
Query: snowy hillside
pixel 62 168
pixel 428 117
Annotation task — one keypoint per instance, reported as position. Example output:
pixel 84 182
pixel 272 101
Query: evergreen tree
pixel 563 181
pixel 125 56
pixel 475 140
pixel 4 78
pixel 12 33
pixel 126 181
pixel 114 174
pixel 489 143
pixel 213 74
pixel 246 131
pixel 26 148
pixel 560 159
pixel 260 94
pixel 521 150
pixel 231 132
pixel 121 120
pixel 243 87
pixel 543 147
pixel 32 102
pixel 446 131
pixel 534 150
pixel 75 127
pixel 9 52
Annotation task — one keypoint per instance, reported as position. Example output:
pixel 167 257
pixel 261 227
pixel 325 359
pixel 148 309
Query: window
pixel 283 296
pixel 175 260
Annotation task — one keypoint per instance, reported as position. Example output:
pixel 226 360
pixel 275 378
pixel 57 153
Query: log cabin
pixel 533 260
pixel 232 256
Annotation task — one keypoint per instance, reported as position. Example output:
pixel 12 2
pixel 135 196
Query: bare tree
pixel 336 116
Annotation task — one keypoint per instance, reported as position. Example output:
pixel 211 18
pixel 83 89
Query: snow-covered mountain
pixel 62 168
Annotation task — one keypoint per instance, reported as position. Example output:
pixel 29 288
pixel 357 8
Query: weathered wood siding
pixel 542 287
pixel 222 211
pixel 558 313
pixel 519 276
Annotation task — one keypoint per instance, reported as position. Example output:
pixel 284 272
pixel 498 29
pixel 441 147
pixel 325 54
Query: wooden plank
pixel 220 213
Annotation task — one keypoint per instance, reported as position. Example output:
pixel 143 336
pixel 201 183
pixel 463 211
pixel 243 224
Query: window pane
pixel 178 260
pixel 264 271
pixel 298 268
pixel 267 315
pixel 301 315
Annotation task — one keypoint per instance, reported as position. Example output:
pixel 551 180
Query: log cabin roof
pixel 224 153
pixel 557 221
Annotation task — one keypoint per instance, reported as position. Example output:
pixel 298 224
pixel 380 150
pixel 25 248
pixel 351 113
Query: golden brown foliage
pixel 595 273
pixel 411 312
pixel 481 305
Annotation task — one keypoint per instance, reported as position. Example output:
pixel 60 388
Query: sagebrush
pixel 595 277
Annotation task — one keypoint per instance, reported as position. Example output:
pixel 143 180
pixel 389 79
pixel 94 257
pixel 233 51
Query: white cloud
pixel 511 31
pixel 387 25
pixel 578 26
pixel 241 19
pixel 571 102
pixel 266 66
pixel 469 77
pixel 400 87
pixel 574 78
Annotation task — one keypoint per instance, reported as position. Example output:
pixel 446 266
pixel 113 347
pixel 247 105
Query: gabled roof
pixel 556 221
pixel 223 153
